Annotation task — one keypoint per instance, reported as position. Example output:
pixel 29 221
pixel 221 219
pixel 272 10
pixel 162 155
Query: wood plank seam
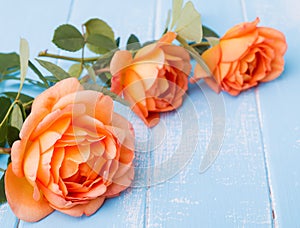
pixel 259 116
pixel 266 163
pixel 155 33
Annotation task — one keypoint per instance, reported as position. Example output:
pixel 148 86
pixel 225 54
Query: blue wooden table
pixel 255 181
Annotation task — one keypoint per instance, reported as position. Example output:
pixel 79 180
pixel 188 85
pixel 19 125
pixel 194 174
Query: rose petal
pixel 52 120
pixel 120 184
pixel 120 61
pixel 104 114
pixel 213 84
pixel 68 168
pixel 88 209
pixel 241 29
pixel 56 162
pixel 31 161
pixel 21 202
pixel 43 173
pixel 168 37
pixel 134 87
pixel 78 154
pixel 55 200
pixel 48 139
pixel 233 49
pixel 147 69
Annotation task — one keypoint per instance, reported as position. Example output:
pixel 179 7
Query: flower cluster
pixel 69 149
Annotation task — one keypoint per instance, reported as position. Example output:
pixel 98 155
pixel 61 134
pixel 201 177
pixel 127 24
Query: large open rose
pixel 245 56
pixel 154 80
pixel 73 153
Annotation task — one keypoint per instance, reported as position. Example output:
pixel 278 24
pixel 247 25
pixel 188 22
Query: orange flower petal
pixel 68 168
pixel 168 37
pixel 50 96
pixel 17 155
pixel 212 57
pixel 78 153
pixel 87 209
pixel 148 69
pixel 121 183
pixel 213 84
pixel 104 114
pixel 21 202
pixel 134 87
pixel 31 161
pixel 56 162
pixel 122 123
pixel 233 49
pixel 274 38
pixel 144 52
pixel 55 199
pixel 120 61
pixel 241 29
pixel 152 119
pixel 43 173
pixel 178 58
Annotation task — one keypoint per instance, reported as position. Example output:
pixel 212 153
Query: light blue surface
pixel 255 181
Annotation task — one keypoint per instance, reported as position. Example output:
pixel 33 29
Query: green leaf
pixel 213 41
pixel 16 117
pixel 24 58
pixel 34 82
pixel 207 32
pixel 39 74
pixel 100 44
pixel 68 38
pixel 2 190
pixel 75 70
pixel 99 27
pixel 167 21
pixel 51 79
pixel 12 135
pixel 9 63
pixel 23 97
pixel 189 25
pixel 57 72
pixel 105 78
pixel 118 41
pixel 5 105
pixel 91 73
pixel 176 10
pixel 133 43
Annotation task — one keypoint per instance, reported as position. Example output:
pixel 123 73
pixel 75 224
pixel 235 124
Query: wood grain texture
pixel 256 174
pixel 234 191
pixel 279 112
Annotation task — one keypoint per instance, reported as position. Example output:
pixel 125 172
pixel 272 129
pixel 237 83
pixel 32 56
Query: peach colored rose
pixel 154 80
pixel 74 152
pixel 245 56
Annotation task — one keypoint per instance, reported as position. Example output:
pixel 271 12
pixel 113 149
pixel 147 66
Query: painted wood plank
pixel 279 112
pixel 128 209
pixel 34 21
pixel 234 191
